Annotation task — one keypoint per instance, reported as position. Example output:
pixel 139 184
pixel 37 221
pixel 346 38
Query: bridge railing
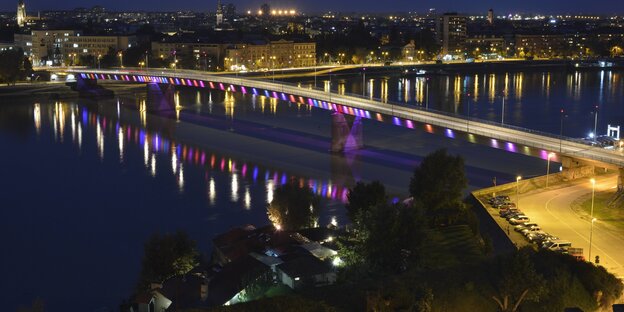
pixel 540 139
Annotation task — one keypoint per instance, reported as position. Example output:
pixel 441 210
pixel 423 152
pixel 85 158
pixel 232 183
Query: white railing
pixel 528 137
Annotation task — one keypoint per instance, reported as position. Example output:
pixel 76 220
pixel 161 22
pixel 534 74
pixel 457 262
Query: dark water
pixel 84 183
pixel 532 99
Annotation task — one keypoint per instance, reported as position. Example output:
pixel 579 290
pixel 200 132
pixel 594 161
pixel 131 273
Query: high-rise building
pixel 21 13
pixel 490 17
pixel 219 13
pixel 451 33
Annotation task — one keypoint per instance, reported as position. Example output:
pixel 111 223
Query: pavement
pixel 552 210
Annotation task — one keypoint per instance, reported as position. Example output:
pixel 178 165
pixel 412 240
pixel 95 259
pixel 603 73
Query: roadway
pixel 518 137
pixel 552 210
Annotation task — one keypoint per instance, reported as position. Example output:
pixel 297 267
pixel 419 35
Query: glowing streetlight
pixel 591 215
pixel 518 178
pixel 120 54
pixel 550 155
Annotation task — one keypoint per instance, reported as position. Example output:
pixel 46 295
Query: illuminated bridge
pixel 570 152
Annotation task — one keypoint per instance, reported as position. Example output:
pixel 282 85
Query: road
pixel 513 138
pixel 552 210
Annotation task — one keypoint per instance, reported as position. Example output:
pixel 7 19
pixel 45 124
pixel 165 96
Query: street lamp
pixel 550 155
pixel 595 122
pixel 98 60
pixel 561 131
pixel 518 178
pixel 591 215
pixel 120 54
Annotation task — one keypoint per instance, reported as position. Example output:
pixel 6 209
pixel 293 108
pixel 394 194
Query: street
pixel 552 210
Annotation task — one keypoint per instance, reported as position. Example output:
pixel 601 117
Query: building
pixel 65 47
pixel 21 13
pixel 540 45
pixel 490 16
pixel 96 46
pixel 219 14
pixel 451 34
pixel 305 271
pixel 270 55
pixel 207 54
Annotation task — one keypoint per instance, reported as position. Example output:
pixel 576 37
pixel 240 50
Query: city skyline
pixel 365 6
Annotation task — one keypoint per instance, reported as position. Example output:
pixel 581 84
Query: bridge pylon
pixel 346 133
pixel 160 97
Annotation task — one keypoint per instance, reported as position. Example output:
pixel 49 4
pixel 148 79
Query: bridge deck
pixel 400 113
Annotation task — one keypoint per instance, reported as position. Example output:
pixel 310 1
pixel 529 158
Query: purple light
pixel 396 121
pixel 255 92
pixel 494 143
pixel 450 134
pixel 511 147
pixel 409 124
pixel 201 83
pixel 244 90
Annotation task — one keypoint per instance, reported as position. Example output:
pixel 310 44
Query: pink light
pixel 201 83
pixel 409 124
pixel 211 85
pixel 244 90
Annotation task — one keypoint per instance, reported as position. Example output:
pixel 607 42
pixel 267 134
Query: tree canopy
pixel 364 195
pixel 166 256
pixel 439 183
pixel 13 66
pixel 293 207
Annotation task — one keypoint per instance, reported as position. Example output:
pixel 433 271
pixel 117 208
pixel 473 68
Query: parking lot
pixel 551 210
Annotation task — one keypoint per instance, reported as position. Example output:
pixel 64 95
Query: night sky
pixel 314 6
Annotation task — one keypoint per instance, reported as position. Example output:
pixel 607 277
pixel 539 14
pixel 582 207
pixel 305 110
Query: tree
pixel 11 65
pixel 293 207
pixel 439 183
pixel 166 256
pixel 364 195
pixel 516 280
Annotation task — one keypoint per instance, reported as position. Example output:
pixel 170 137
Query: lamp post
pixel 591 215
pixel 518 178
pixel 561 132
pixel 427 91
pixel 550 155
pixel 120 54
pixel 595 122
pixel 503 112
pixel 98 60
pixel 364 82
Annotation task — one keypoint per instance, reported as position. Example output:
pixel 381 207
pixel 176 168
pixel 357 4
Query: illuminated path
pixel 510 138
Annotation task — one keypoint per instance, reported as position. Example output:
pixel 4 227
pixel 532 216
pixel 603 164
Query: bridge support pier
pixel 89 88
pixel 160 97
pixel 346 133
pixel 574 168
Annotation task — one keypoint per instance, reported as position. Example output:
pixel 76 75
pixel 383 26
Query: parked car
pixel 541 238
pixel 531 229
pixel 519 219
pixel 558 245
pixel 514 214
pixel 520 227
pixel 506 212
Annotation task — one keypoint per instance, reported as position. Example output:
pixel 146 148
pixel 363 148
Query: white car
pixel 519 219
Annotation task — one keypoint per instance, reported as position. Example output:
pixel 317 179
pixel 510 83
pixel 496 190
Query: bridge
pixel 351 109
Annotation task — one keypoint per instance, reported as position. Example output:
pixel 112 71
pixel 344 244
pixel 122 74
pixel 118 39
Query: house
pixel 305 270
pixel 150 301
pixel 229 285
